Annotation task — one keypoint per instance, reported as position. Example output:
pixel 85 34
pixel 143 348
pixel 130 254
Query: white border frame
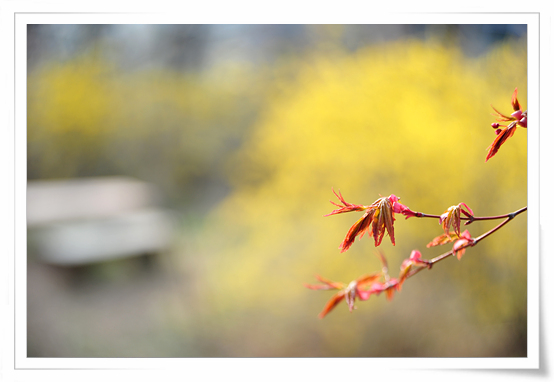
pixel 324 366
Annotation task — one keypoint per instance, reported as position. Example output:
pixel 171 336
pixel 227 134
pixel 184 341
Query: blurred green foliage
pixel 410 118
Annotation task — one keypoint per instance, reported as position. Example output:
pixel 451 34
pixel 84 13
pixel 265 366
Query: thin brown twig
pixel 471 243
pixel 473 218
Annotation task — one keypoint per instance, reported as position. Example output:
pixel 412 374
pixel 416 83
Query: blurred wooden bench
pixel 82 221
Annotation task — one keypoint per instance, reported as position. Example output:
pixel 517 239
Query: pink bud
pixel 498 131
pixel 415 255
pixel 517 114
pixel 523 122
pixel 393 198
pixel 495 125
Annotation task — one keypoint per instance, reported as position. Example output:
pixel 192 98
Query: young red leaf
pixel 414 260
pixel 346 207
pixel 503 132
pixel 465 239
pixel 500 139
pixel 515 102
pixel 377 219
pixel 443 239
pixel 334 301
pixel 349 293
pixel 451 218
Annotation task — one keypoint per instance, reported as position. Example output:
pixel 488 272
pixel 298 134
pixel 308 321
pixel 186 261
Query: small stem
pixel 476 240
pixel 474 218
pixel 422 215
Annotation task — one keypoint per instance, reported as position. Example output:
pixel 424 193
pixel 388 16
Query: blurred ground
pixel 90 313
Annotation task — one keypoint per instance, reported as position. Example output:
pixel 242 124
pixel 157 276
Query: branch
pixel 473 242
pixel 471 219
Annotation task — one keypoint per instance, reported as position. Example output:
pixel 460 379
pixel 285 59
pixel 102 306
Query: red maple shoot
pixel 503 132
pixel 451 218
pixel 378 219
pixel 346 292
pixel 362 288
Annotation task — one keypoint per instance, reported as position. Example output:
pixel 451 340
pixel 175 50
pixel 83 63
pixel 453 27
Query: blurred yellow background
pixel 246 149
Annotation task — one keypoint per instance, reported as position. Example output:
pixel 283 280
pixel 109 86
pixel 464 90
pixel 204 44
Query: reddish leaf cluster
pixel 451 218
pixel 460 245
pixel 346 292
pixel 503 132
pixel 365 286
pixel 378 218
pixel 414 260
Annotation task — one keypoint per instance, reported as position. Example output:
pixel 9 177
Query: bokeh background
pixel 243 130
